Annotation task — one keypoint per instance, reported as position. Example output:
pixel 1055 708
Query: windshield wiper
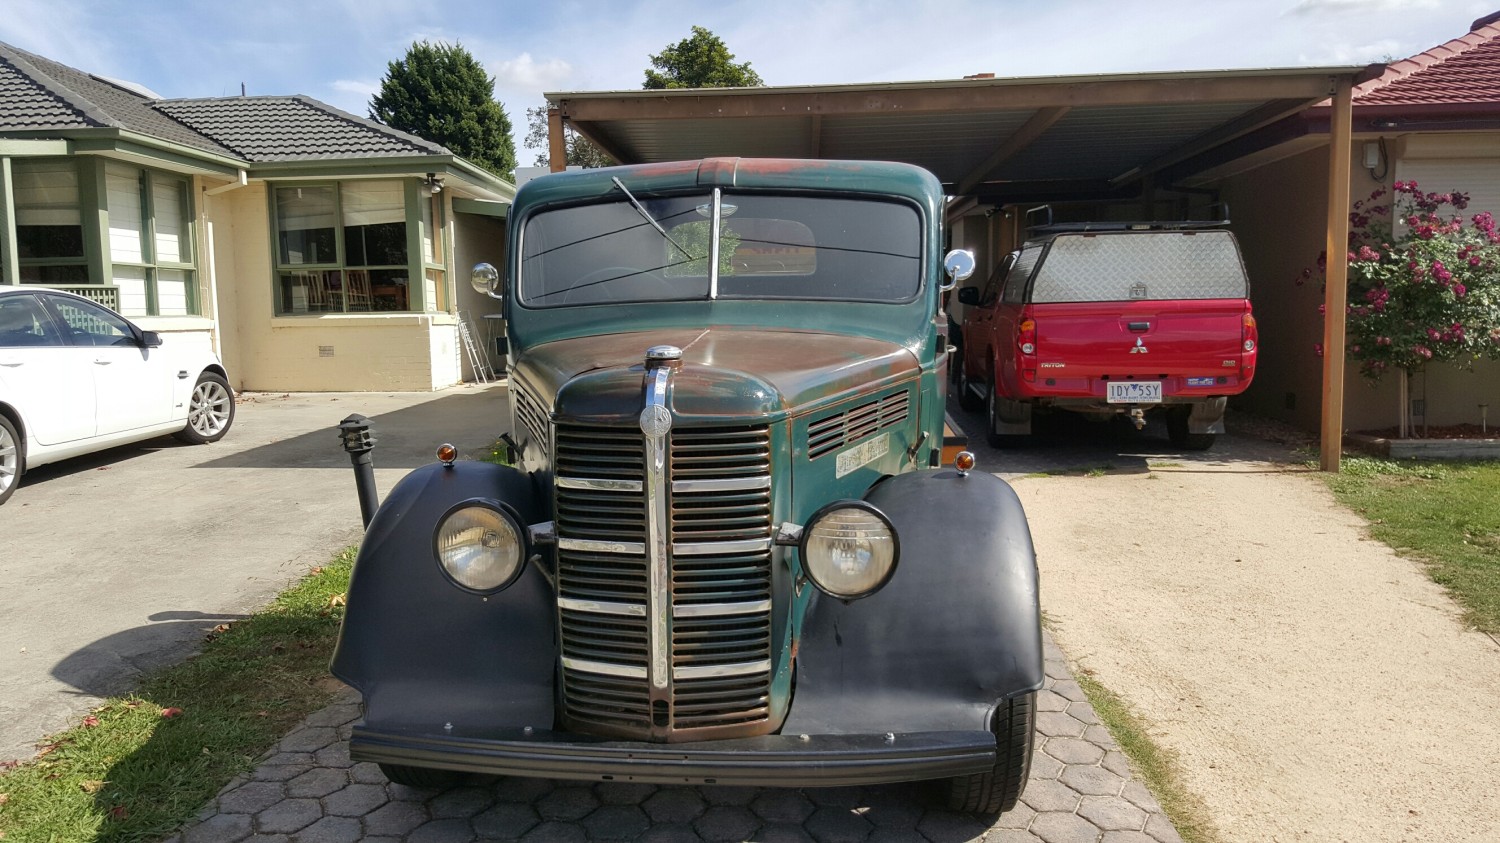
pixel 646 215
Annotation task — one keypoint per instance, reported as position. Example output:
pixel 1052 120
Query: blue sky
pixel 337 50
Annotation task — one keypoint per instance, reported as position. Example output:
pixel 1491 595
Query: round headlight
pixel 480 547
pixel 849 549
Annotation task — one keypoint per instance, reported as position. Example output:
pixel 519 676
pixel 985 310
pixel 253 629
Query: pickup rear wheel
pixel 966 397
pixel 992 423
pixel 999 789
pixel 421 778
pixel 1177 432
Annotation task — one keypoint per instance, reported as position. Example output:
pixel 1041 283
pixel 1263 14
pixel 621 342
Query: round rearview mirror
pixel 959 265
pixel 486 279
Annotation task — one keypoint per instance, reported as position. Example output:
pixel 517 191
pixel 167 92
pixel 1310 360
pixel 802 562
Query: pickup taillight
pixel 1249 342
pixel 1026 345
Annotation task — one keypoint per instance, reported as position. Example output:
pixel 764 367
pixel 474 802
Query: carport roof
pixel 997 140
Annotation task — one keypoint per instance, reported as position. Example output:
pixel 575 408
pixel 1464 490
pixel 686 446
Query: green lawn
pixel 138 766
pixel 1445 514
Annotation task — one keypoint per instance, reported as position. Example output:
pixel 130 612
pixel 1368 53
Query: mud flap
pixel 1207 416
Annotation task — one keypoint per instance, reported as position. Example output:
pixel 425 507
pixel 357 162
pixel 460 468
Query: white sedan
pixel 76 377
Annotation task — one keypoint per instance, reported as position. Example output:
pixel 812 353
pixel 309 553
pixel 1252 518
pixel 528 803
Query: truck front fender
pixel 957 628
pixel 427 655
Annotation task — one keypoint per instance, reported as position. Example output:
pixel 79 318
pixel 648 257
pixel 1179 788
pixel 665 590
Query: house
pixel 1433 118
pixel 312 249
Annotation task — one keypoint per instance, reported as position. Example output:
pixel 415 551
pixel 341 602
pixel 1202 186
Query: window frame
pixel 82 175
pixel 416 265
pixel 146 179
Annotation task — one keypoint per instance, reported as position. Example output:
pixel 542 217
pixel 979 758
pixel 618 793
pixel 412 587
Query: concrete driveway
pixel 118 562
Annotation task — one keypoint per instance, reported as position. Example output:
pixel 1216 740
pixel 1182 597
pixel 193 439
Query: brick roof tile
pixel 1465 70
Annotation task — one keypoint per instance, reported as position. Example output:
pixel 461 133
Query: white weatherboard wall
pixel 413 352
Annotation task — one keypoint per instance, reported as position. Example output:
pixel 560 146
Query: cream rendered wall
pixel 326 353
pixel 1279 218
pixel 478 239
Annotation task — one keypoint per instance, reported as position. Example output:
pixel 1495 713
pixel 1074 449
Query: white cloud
pixel 357 87
pixel 1350 54
pixel 1317 7
pixel 525 72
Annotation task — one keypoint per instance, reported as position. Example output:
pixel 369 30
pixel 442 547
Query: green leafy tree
pixel 440 92
pixel 699 61
pixel 581 152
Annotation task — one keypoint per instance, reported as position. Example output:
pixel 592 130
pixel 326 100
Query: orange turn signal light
pixel 446 454
pixel 964 462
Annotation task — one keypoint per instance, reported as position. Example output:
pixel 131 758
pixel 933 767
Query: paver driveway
pixel 119 561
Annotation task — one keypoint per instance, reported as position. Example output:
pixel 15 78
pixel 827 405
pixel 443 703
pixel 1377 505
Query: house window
pixel 49 223
pixel 150 242
pixel 343 248
pixel 434 256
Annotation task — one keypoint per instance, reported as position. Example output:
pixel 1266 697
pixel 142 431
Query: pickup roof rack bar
pixel 1148 225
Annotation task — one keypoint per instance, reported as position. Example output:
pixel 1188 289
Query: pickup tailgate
pixel 1140 339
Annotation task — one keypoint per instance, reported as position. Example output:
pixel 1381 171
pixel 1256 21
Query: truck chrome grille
pixel 720 534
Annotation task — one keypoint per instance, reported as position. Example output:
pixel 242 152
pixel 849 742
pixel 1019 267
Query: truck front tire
pixel 998 790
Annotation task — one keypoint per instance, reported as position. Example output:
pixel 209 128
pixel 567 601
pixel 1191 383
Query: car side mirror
pixel 968 295
pixel 959 264
pixel 150 339
pixel 486 279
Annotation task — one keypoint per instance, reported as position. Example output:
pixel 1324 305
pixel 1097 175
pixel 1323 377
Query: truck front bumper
pixel 771 760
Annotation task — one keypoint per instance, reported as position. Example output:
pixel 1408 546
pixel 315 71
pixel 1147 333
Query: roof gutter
pixel 238 183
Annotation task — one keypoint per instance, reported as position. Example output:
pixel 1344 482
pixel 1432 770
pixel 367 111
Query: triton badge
pixel 1140 347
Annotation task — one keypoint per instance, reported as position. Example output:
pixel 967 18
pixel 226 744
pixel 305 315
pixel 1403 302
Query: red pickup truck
pixel 1105 320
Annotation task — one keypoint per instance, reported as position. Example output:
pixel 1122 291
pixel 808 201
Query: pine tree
pixel 441 93
pixel 700 61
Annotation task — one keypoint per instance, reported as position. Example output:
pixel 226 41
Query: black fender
pixel 425 653
pixel 956 630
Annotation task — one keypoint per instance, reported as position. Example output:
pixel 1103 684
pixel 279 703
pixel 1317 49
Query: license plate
pixel 1133 392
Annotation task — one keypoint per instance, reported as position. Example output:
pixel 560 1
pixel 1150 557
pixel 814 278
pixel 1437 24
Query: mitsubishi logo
pixel 1140 347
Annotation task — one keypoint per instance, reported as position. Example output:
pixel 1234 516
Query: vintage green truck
pixel 727 551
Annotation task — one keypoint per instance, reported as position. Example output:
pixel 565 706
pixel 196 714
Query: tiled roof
pixel 263 129
pixel 38 93
pixel 1463 71
pixel 98 102
pixel 24 104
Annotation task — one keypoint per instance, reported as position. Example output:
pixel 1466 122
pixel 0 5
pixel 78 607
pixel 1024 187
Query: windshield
pixel 636 249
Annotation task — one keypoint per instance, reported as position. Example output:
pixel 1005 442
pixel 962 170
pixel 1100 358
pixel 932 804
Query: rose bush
pixel 1424 281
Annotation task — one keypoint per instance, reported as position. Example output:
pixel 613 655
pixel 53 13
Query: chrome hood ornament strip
pixel 656 424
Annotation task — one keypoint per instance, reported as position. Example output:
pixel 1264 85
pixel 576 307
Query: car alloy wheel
pixel 208 411
pixel 10 460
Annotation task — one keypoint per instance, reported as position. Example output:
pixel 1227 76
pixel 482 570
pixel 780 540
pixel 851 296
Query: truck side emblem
pixel 1140 347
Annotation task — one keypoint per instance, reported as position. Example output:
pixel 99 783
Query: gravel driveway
pixel 1315 686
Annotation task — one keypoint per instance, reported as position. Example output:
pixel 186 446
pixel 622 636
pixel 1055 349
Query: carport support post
pixel 1336 291
pixel 557 144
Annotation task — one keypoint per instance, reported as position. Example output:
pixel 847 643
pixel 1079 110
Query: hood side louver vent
pixel 529 414
pixel 845 428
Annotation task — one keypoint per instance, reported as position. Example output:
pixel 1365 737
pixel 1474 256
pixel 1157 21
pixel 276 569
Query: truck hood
pixel 725 373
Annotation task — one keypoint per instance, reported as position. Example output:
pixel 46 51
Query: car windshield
pixel 770 247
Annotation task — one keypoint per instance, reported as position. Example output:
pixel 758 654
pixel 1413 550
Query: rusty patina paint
pixel 726 373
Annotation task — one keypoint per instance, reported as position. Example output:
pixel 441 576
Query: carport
pixel 1006 141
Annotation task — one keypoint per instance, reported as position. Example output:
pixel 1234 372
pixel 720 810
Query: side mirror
pixel 968 295
pixel 959 264
pixel 150 339
pixel 486 279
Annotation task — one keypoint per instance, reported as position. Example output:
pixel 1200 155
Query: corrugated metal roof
pixel 294 128
pixel 1082 135
pixel 1463 71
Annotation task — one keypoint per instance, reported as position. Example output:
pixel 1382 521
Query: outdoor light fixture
pixel 433 184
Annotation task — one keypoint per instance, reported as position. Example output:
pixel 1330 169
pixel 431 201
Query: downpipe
pixel 358 441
